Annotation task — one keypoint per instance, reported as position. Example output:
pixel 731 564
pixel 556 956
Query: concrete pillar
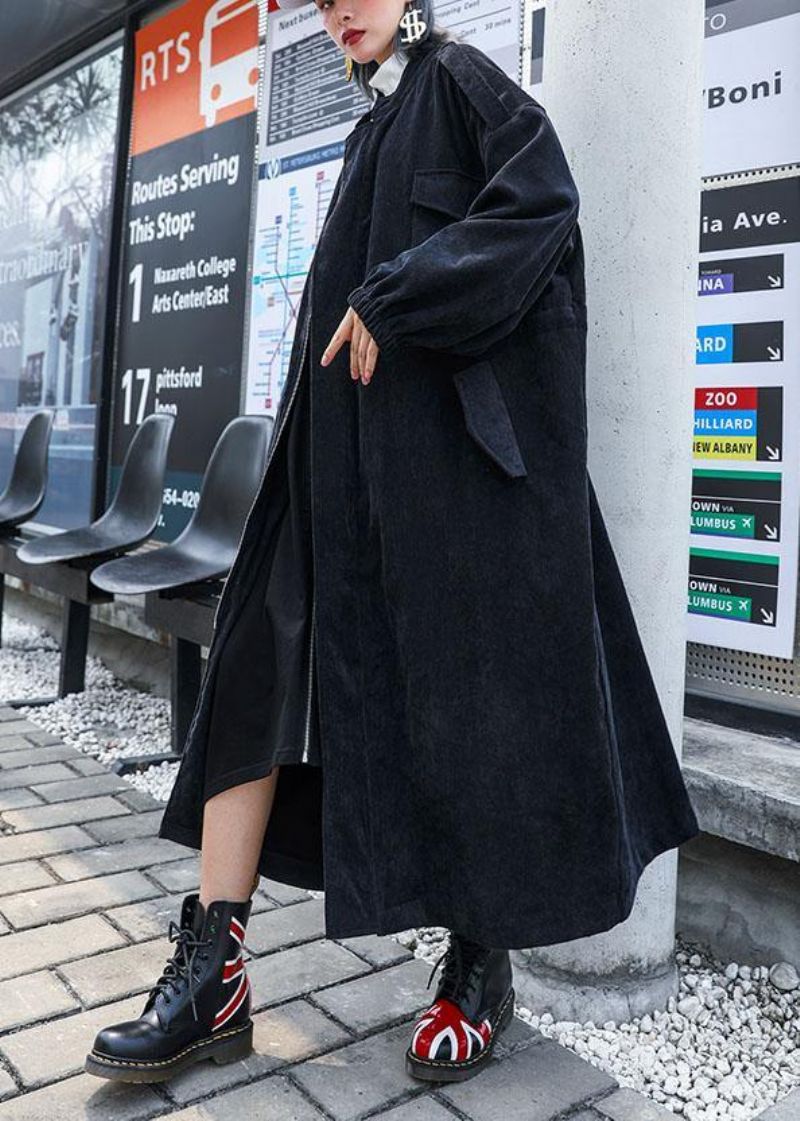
pixel 622 84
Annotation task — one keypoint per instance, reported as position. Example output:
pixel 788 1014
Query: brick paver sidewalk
pixel 86 893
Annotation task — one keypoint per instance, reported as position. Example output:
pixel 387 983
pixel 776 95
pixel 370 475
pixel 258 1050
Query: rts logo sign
pixel 195 67
pixel 228 57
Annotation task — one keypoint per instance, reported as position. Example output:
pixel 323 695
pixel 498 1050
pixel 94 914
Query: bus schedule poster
pixel 184 278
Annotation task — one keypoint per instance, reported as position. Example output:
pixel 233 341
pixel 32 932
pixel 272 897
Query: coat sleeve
pixel 470 283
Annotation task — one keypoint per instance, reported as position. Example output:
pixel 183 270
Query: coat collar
pixel 386 78
pixel 388 104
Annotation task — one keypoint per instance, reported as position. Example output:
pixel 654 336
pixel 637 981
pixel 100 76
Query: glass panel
pixel 57 143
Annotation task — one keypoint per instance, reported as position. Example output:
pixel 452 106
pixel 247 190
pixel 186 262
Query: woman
pixel 425 608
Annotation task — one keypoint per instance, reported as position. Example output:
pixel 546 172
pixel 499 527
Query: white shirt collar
pixel 387 76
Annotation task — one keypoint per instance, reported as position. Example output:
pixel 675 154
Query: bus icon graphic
pixel 228 57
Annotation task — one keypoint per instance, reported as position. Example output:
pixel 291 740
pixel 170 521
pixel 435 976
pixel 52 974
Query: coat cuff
pixel 363 304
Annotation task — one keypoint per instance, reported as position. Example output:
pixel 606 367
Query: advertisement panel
pixel 751 96
pixel 185 259
pixel 57 145
pixel 745 482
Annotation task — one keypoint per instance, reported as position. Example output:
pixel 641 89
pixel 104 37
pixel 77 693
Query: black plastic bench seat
pixel 62 562
pixel 24 495
pixel 206 548
pixel 179 580
pixel 133 513
pixel 173 566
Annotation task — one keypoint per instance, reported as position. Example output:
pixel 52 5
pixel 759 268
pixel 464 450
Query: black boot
pixel 198 1009
pixel 453 1038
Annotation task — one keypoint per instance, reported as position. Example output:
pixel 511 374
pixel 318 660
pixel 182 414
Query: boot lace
pixel 458 976
pixel 180 965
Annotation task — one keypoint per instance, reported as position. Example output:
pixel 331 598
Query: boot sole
pixel 227 1047
pixel 445 1070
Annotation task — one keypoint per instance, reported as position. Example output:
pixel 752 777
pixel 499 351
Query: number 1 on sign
pixel 135 282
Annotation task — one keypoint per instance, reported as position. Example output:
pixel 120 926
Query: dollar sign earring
pixel 348 68
pixel 413 25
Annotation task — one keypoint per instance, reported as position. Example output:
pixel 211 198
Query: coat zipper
pixel 269 460
pixel 310 662
pixel 313 577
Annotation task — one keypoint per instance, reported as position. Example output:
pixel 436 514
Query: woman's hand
pixel 363 348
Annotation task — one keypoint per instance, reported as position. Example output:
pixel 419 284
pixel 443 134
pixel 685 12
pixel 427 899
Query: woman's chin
pixel 361 53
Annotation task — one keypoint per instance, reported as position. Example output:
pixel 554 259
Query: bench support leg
pixel 2 603
pixel 185 686
pixel 74 645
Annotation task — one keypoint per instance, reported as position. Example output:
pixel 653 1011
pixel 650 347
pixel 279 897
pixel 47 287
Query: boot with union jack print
pixel 453 1038
pixel 198 1009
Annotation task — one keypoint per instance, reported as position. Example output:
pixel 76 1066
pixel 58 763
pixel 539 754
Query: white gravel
pixel 107 720
pixel 724 1050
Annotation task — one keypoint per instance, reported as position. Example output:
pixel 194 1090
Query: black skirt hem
pixel 255 771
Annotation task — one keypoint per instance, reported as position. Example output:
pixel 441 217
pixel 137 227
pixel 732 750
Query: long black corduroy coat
pixel 495 755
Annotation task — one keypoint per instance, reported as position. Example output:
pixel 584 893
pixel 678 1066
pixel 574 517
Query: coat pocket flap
pixel 447 189
pixel 487 417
